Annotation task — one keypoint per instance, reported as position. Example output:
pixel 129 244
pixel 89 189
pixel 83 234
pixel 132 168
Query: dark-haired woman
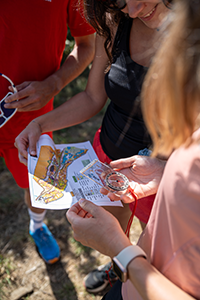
pixel 165 265
pixel 125 44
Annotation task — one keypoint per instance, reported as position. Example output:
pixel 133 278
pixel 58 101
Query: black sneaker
pixel 97 280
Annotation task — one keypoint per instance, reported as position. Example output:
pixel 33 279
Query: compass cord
pixel 127 232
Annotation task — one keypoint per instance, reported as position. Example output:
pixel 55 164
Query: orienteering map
pixel 54 177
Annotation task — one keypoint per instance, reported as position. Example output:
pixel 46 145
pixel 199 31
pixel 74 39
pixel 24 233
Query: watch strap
pixel 129 253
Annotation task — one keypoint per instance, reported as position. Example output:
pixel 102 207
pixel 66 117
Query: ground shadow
pixel 62 286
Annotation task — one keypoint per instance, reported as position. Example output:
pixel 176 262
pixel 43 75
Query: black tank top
pixel 123 131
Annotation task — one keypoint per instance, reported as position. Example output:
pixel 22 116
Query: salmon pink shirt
pixel 171 238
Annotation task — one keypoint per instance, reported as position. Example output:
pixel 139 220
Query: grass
pixel 79 248
pixel 6 268
pixel 67 289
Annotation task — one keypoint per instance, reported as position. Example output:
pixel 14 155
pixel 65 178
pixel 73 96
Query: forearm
pixel 103 233
pixel 74 111
pixel 76 62
pixel 148 281
pixel 151 284
pixel 82 106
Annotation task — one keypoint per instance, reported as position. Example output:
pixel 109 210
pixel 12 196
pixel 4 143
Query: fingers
pixel 123 163
pixel 29 104
pixel 82 213
pixel 32 135
pixel 22 105
pixel 32 146
pixel 23 159
pixel 104 191
pixel 114 197
pixel 127 198
pixel 23 85
pixel 22 93
pixel 22 146
pixel 20 87
pixel 28 96
pixel 76 212
pixel 111 195
pixel 89 207
pixel 28 139
pixel 31 95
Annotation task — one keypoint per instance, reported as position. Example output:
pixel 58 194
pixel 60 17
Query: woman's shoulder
pixel 185 162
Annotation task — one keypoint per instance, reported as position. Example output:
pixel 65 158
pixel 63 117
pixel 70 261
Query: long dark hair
pixel 168 3
pixel 102 18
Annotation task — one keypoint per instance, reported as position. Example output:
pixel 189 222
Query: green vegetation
pixel 6 269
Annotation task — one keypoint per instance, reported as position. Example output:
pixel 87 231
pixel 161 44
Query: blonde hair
pixel 171 91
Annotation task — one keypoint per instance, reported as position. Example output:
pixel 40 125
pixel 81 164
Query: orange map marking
pixel 51 171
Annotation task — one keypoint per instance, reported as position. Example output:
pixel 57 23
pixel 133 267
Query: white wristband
pixel 129 253
pixel 121 261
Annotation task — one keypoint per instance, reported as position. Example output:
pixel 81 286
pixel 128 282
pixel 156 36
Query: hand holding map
pixel 54 177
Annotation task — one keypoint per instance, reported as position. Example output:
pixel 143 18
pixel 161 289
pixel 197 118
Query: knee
pixel 27 197
pixel 122 214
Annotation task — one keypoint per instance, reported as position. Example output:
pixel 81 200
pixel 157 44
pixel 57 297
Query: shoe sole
pixel 103 286
pixel 49 262
pixel 103 289
pixel 52 261
pixel 98 289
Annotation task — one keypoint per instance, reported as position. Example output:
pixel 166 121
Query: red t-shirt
pixel 32 39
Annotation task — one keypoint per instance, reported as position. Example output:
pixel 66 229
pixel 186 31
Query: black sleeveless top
pixel 123 132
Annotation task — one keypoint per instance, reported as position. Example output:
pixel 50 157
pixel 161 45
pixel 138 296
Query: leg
pixel 45 242
pixel 27 199
pixel 115 292
pixel 98 280
pixel 122 214
pixel 143 225
pixel 36 215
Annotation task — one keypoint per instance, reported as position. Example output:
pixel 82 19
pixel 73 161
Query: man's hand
pixel 144 174
pixel 32 95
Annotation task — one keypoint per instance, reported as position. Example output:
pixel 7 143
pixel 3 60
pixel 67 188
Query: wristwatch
pixel 121 261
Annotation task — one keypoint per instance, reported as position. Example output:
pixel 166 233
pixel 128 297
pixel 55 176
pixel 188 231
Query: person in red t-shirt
pixel 32 41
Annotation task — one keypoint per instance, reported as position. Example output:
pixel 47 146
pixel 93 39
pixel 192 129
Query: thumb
pixel 89 206
pixel 34 132
pixel 32 147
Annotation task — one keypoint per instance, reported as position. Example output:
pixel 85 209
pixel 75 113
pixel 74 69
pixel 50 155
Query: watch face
pixel 119 270
pixel 117 181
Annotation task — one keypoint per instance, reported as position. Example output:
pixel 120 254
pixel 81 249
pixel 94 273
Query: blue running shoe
pixel 46 244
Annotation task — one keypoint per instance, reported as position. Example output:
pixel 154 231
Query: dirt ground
pixel 21 268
